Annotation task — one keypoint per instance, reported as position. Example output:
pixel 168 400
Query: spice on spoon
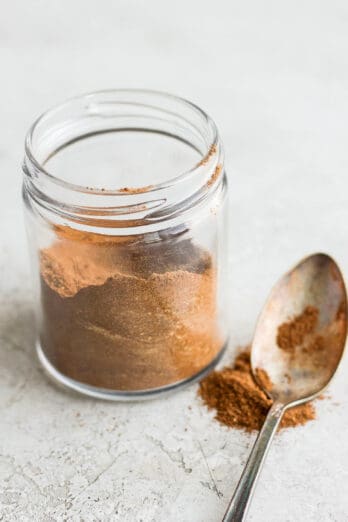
pixel 296 338
pixel 293 332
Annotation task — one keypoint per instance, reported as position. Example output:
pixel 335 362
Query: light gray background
pixel 273 74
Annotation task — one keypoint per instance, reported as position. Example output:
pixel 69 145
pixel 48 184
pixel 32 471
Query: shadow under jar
pixel 124 195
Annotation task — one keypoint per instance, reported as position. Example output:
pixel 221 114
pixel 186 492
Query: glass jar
pixel 124 194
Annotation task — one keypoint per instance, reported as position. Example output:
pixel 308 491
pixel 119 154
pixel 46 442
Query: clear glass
pixel 125 206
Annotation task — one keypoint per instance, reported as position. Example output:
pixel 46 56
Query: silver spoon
pixel 293 376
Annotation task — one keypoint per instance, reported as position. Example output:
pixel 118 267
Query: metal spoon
pixel 292 377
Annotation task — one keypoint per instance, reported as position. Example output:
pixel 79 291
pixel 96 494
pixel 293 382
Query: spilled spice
pixel 240 403
pixel 292 333
pixel 263 378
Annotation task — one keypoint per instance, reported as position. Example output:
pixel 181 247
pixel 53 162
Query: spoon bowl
pixel 298 344
pixel 299 374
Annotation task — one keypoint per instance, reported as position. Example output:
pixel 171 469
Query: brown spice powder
pixel 209 155
pixel 136 190
pixel 215 175
pixel 126 314
pixel 263 378
pixel 292 334
pixel 240 403
pixel 306 346
pixel 317 345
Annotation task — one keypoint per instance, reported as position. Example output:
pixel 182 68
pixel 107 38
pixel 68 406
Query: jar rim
pixel 41 171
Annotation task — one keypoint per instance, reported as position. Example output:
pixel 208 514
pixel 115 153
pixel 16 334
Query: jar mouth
pixel 98 104
pixel 110 111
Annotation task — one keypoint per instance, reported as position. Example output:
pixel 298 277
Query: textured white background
pixel 274 77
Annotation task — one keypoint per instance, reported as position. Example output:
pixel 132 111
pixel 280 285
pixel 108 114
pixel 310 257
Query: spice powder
pixel 240 403
pixel 124 314
pixel 294 332
pixel 309 344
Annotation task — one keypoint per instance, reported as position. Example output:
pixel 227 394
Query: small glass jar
pixel 124 194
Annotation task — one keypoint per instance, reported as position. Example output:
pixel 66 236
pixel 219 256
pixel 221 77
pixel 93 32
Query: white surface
pixel 274 77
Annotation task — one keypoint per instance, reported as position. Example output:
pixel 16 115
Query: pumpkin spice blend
pixel 125 314
pixel 304 340
pixel 236 397
pixel 293 333
pixel 240 403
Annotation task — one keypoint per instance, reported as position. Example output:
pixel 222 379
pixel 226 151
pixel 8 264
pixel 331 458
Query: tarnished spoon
pixel 292 377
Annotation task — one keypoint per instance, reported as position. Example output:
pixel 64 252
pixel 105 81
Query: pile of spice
pixel 240 403
pixel 124 313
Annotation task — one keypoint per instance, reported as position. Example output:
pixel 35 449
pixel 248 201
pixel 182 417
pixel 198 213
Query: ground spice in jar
pixel 125 314
pixel 240 403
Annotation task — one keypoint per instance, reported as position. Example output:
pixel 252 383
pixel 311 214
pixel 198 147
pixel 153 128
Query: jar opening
pixel 124 159
pixel 141 150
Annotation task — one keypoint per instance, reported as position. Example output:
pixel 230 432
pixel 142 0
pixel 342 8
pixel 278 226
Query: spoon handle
pixel 239 504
